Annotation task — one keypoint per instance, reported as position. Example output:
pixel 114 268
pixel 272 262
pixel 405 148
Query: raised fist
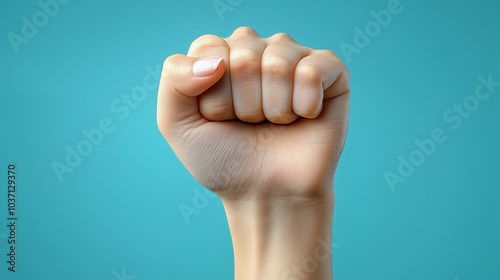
pixel 253 117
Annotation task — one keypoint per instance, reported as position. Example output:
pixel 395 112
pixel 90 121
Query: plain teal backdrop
pixel 116 214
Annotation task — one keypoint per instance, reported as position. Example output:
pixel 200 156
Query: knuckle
pixel 307 112
pixel 243 31
pixel 345 80
pixel 281 37
pixel 244 59
pixel 208 41
pixel 276 65
pixel 169 65
pixel 341 64
pixel 328 53
pixel 280 117
pixel 250 117
pixel 216 112
pixel 308 74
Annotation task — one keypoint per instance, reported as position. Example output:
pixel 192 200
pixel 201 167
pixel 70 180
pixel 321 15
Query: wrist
pixel 281 238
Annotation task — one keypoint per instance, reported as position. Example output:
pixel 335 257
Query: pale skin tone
pixel 262 122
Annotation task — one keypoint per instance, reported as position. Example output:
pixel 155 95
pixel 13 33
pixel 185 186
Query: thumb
pixel 182 80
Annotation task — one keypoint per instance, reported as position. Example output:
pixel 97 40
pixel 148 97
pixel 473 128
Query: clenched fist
pixel 253 117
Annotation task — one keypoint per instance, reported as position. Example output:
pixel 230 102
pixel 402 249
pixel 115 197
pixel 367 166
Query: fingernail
pixel 206 66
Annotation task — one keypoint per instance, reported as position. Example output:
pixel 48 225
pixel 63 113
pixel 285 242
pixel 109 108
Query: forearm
pixel 284 238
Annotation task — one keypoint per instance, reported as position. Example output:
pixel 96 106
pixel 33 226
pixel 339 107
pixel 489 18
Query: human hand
pixel 268 120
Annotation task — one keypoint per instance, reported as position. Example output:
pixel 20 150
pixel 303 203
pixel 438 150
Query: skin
pixel 264 131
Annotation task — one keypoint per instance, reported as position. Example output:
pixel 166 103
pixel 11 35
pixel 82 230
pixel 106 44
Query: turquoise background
pixel 116 215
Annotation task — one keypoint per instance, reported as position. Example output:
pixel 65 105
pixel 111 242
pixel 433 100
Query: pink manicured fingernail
pixel 206 66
